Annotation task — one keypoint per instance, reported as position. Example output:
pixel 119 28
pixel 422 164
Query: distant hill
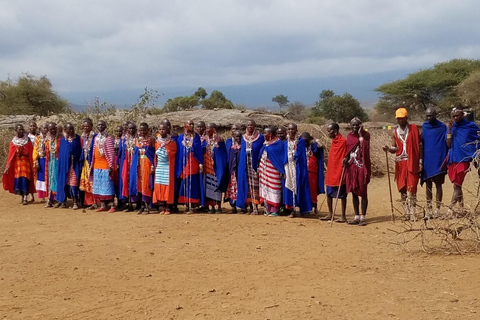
pixel 255 95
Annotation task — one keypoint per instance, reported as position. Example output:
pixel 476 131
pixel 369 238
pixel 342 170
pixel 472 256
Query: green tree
pixel 181 103
pixel 338 108
pixel 217 100
pixel 30 95
pixel 201 93
pixel 435 86
pixel 281 100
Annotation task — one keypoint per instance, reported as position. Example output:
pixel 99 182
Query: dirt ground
pixel 61 264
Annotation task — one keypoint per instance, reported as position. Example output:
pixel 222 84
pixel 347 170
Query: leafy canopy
pixel 338 108
pixel 281 100
pixel 30 95
pixel 436 86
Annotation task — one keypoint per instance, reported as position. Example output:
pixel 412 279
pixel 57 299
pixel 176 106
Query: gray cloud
pixel 107 45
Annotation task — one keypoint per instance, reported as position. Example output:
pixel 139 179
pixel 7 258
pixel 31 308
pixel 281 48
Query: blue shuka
pixel 303 199
pixel 68 152
pixel 464 142
pixel 242 179
pixel 434 149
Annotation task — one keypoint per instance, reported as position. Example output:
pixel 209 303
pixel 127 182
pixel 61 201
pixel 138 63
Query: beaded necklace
pixel 20 142
pixel 187 141
pixel 87 142
pixel 163 141
pixel 100 140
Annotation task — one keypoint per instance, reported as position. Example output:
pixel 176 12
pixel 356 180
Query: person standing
pixel 103 163
pixel 406 146
pixel 190 168
pixel 214 169
pixel 433 154
pixel 32 135
pixel 270 171
pixel 142 170
pixel 164 186
pixel 69 167
pixel 39 162
pixel 18 173
pixel 462 139
pixel 87 137
pixel 334 179
pixel 233 158
pixel 358 169
pixel 52 150
pixel 315 165
pixel 248 192
pixel 296 192
pixel 125 155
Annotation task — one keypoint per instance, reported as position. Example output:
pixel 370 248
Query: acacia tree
pixel 30 95
pixel 435 86
pixel 217 100
pixel 338 108
pixel 281 100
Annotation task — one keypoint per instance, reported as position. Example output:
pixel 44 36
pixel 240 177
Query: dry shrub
pixel 5 138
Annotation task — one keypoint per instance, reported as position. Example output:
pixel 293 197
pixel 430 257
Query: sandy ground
pixel 61 264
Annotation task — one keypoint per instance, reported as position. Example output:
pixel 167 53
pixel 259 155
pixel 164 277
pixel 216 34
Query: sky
pixel 251 50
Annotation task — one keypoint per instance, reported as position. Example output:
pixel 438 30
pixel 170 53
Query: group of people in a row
pixel 144 169
pixel 439 149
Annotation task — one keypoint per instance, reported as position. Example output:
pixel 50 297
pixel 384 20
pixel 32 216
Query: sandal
pixel 327 218
pixel 340 221
pixel 354 222
pixel 112 209
pixel 362 223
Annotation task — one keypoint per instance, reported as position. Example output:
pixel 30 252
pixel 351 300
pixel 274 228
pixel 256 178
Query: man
pixel 270 171
pixel 248 192
pixel 190 167
pixel 406 146
pixel 69 167
pixel 432 155
pixel 296 192
pixel 214 169
pixel 18 173
pixel 315 164
pixel 103 163
pixel 462 139
pixel 358 169
pixel 334 178
pixel 86 196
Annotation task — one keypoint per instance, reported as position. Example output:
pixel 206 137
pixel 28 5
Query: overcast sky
pixel 95 46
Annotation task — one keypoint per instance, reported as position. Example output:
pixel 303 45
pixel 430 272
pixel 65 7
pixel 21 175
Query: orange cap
pixel 401 113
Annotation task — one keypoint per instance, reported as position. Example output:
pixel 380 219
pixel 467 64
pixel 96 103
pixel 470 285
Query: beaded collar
pixel 20 142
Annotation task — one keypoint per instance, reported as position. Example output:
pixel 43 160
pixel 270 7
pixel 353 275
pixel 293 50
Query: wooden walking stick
pixel 390 186
pixel 336 198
